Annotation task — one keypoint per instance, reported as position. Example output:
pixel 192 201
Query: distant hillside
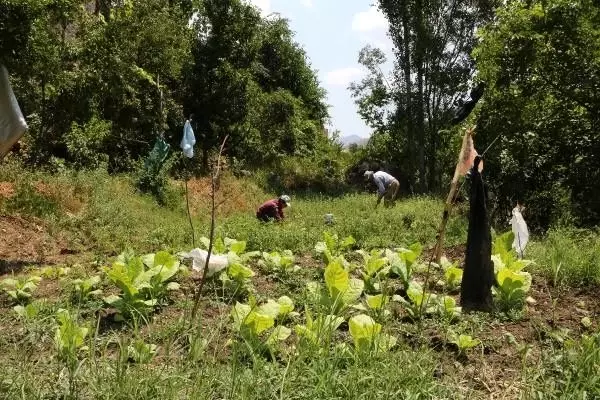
pixel 348 140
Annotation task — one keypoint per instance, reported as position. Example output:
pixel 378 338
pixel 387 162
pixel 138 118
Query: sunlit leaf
pixel 279 334
pixel 286 305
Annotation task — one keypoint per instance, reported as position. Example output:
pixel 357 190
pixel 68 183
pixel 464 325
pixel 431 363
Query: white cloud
pixel 343 76
pixel 263 5
pixel 370 20
pixel 307 3
pixel 384 44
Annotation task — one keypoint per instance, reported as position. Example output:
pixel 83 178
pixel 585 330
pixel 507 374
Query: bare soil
pixel 27 241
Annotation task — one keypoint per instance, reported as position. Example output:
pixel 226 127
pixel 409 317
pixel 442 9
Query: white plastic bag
pixel 216 264
pixel 188 141
pixel 12 123
pixel 519 228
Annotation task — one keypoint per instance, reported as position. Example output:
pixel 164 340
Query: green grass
pixel 412 220
pixel 104 215
pixel 566 373
pixel 320 378
pixel 116 216
pixel 567 256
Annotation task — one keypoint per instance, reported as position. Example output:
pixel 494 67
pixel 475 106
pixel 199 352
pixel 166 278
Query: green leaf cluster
pixel 20 289
pixel 261 327
pixel 144 283
pixel 513 282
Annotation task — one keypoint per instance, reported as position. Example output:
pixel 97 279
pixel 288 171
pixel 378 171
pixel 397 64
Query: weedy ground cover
pixel 357 320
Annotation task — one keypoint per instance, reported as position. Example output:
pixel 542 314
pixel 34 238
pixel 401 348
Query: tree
pixel 103 79
pixel 77 67
pixel 432 40
pixel 249 80
pixel 541 63
pixel 15 28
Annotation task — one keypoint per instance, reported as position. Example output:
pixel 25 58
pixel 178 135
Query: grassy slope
pixel 101 216
pixel 106 215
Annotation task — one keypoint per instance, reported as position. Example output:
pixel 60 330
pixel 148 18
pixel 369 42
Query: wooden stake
pixel 450 199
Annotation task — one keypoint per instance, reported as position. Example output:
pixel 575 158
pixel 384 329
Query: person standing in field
pixel 273 209
pixel 387 187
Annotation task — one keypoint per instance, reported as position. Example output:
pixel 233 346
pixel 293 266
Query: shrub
pixel 85 143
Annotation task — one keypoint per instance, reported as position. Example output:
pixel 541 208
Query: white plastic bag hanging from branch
pixel 188 141
pixel 12 123
pixel 519 228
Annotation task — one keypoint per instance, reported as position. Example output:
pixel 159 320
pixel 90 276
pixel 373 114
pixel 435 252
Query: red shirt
pixel 271 209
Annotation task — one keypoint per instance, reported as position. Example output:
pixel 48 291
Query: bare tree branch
pixel 214 182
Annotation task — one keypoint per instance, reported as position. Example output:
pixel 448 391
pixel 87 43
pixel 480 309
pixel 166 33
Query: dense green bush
pixel 99 83
pixel 541 63
pixel 324 172
pixel 157 183
pixel 85 143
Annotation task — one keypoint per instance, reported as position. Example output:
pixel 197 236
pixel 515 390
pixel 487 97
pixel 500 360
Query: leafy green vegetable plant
pixel 279 263
pixel 447 308
pixel 227 246
pixel 332 247
pixel 420 302
pixel 86 289
pixel 260 327
pixel 376 305
pixel 236 279
pixel 452 274
pixel 340 291
pixel 367 336
pixel 512 288
pixel 144 283
pixel 373 270
pixel 69 339
pixel 21 289
pixel 463 342
pixel 317 332
pixel 141 352
pixel 512 282
pixel 54 272
pixel 28 312
pixel 402 262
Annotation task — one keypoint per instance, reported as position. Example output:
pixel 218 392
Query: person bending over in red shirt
pixel 273 209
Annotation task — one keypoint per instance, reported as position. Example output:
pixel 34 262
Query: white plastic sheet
pixel 12 123
pixel 188 141
pixel 519 228
pixel 216 264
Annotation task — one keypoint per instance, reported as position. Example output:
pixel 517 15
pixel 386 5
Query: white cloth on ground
pixel 216 264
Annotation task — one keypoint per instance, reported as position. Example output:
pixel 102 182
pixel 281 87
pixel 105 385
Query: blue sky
pixel 332 32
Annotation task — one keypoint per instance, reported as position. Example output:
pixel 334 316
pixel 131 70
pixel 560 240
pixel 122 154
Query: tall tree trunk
pixel 433 146
pixel 406 66
pixel 420 109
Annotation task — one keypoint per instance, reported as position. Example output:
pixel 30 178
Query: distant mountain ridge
pixel 353 139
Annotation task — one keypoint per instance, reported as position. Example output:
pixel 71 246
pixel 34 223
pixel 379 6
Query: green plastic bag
pixel 157 157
